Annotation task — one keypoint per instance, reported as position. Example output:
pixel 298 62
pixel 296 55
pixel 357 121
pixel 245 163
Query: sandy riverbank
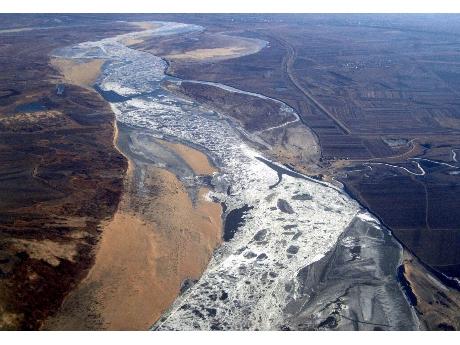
pixel 81 73
pixel 156 240
pixel 195 159
pixel 129 41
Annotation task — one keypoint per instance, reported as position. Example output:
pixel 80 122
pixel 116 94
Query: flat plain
pixel 373 89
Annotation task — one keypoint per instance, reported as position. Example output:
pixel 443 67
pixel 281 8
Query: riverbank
pixel 290 223
pixel 157 239
pixel 80 73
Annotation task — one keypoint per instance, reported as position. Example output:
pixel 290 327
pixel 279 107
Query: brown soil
pixel 78 72
pixel 437 304
pixel 144 26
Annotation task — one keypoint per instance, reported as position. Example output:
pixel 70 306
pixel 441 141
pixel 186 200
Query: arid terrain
pixel 126 147
pixel 61 175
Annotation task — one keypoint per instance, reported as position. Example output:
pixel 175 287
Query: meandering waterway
pixel 290 221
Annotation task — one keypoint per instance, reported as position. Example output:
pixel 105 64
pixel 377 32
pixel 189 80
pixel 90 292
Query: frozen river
pixel 289 223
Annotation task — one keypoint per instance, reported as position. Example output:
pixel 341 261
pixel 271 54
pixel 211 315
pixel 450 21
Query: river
pixel 254 279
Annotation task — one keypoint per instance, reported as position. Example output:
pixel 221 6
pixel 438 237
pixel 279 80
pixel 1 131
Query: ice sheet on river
pixel 289 224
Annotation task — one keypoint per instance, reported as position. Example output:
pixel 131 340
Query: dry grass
pixel 31 118
pixel 49 251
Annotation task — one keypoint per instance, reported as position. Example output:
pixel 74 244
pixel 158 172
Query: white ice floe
pixel 367 217
pixel 119 89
